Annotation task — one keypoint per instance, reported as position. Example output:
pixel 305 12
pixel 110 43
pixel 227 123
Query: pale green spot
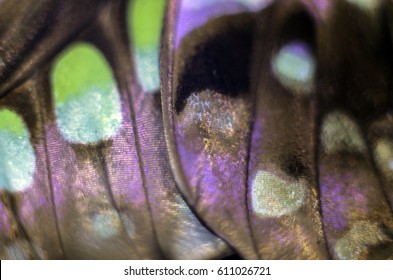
pixel 145 22
pixel 294 67
pixel 11 122
pixel 273 197
pixel 384 155
pixel 362 235
pixel 17 159
pixel 87 101
pixel 81 68
pixel 341 134
pixel 145 19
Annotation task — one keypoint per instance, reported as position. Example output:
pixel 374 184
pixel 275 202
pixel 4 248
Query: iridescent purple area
pixel 194 14
pixel 334 216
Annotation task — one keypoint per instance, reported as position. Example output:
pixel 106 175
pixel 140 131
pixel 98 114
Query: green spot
pixel 87 102
pixel 12 122
pixel 17 159
pixel 145 21
pixel 81 68
pixel 340 133
pixel 144 24
pixel 361 236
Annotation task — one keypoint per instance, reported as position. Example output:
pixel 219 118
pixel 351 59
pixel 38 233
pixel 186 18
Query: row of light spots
pixel 145 19
pixel 87 101
pixel 361 235
pixel 294 67
pixel 17 159
pixel 274 197
pixel 340 133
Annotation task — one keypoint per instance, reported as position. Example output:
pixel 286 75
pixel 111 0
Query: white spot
pixel 354 242
pixel 17 161
pixel 105 224
pixel 274 197
pixel 91 117
pixel 340 133
pixel 294 67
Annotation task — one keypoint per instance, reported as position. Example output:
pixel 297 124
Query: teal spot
pixel 145 19
pixel 294 67
pixel 105 224
pixel 17 159
pixel 148 69
pixel 87 101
